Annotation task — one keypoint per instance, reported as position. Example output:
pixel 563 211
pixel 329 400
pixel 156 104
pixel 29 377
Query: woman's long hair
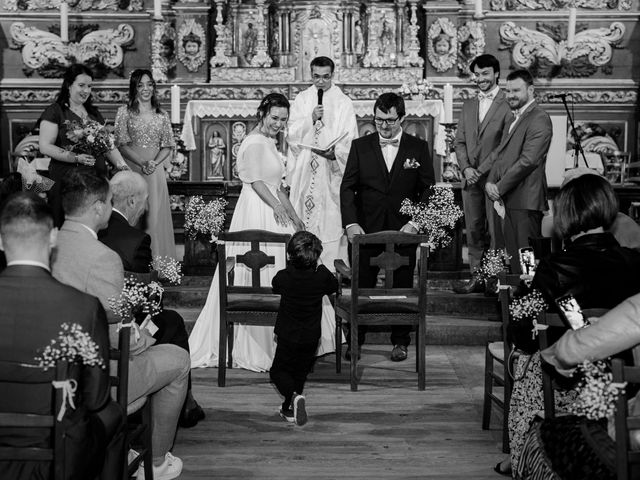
pixel 70 75
pixel 136 77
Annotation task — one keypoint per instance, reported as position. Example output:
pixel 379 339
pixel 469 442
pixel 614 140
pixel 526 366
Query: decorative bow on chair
pixel 31 180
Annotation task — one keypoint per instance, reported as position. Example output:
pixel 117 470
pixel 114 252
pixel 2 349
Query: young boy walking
pixel 302 284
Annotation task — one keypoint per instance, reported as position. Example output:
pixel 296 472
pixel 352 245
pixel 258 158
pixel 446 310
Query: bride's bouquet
pixel 437 218
pixel 204 218
pixel 90 137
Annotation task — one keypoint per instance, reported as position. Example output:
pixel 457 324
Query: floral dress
pixel 147 135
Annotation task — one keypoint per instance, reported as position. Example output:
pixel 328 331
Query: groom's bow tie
pixel 384 142
pixel 485 96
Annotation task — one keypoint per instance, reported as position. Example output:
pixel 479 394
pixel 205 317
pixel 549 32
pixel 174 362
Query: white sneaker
pixel 299 410
pixel 170 468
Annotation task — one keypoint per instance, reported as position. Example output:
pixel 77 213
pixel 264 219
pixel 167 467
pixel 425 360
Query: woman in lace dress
pixel 144 136
pixel 263 205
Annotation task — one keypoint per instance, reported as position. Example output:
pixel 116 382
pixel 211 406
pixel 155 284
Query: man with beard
pixel 517 180
pixel 479 132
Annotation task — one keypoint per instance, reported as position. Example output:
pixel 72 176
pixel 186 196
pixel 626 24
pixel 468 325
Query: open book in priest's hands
pixel 324 148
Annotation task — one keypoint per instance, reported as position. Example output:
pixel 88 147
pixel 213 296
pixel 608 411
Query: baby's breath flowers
pixel 437 218
pixel 137 300
pixel 168 269
pixel 494 262
pixel 72 345
pixel 527 307
pixel 597 393
pixel 420 88
pixel 202 218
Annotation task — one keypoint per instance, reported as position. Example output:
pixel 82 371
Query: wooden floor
pixel 387 429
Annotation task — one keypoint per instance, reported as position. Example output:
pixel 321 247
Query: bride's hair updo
pixel 270 101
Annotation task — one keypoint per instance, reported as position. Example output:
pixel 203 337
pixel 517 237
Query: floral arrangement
pixel 177 167
pixel 438 217
pixel 420 88
pixel 204 218
pixel 597 393
pixel 494 262
pixel 137 300
pixel 168 269
pixel 73 344
pixel 89 137
pixel 527 306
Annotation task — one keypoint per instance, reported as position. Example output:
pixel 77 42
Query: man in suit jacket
pixel 28 296
pixel 82 261
pixel 517 179
pixel 130 195
pixel 479 132
pixel 383 169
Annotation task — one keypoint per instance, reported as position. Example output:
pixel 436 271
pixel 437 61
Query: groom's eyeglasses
pixel 388 121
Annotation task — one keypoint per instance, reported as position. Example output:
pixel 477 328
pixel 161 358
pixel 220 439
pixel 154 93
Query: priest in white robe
pixel 314 174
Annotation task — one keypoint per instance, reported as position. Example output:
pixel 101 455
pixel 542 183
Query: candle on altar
pixel 571 31
pixel 175 104
pixel 448 103
pixel 478 12
pixel 157 9
pixel 64 21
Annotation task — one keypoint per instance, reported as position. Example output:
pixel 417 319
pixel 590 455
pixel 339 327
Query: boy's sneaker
pixel 299 410
pixel 287 415
pixel 170 468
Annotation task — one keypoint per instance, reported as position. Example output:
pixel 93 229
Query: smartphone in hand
pixel 570 311
pixel 527 260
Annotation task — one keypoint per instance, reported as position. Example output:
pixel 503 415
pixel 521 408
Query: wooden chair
pixel 16 373
pixel 384 306
pixel 551 319
pixel 627 460
pixel 496 354
pixel 254 304
pixel 138 433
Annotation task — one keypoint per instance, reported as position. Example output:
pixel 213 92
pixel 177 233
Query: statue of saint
pixel 217 148
pixel 386 38
pixel 359 46
pixel 250 42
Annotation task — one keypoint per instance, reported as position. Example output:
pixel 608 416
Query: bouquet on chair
pixel 437 218
pixel 169 269
pixel 137 304
pixel 204 218
pixel 73 344
pixel 597 392
pixel 90 137
pixel 524 326
pixel 494 262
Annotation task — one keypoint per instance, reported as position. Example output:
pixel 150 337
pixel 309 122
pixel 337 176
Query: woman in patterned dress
pixel 145 138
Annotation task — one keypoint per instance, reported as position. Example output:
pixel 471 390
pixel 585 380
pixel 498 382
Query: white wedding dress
pixel 253 347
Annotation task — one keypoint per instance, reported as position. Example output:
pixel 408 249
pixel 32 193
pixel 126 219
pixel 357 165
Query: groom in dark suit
pixel 383 169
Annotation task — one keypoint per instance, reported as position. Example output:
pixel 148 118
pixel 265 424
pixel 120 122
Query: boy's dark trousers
pixel 291 365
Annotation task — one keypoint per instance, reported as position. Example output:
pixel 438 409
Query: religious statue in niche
pixel 217 149
pixel 442 44
pixel 190 45
pixel 249 43
pixel 471 39
pixel 385 41
pixel 238 132
pixel 163 52
pixel 359 40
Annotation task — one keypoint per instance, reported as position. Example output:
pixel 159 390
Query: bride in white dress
pixel 261 205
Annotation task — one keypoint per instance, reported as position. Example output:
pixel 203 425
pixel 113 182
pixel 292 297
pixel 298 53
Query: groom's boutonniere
pixel 410 163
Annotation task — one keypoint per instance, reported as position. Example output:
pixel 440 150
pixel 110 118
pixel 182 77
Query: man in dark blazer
pixel 517 180
pixel 383 169
pixel 479 132
pixel 28 296
pixel 130 195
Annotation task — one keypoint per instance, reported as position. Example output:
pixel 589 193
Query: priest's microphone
pixel 320 95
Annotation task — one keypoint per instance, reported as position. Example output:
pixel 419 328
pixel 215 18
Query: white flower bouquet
pixel 418 89
pixel 169 269
pixel 137 301
pixel 437 218
pixel 494 262
pixel 204 218
pixel 73 344
pixel 528 306
pixel 90 137
pixel 597 393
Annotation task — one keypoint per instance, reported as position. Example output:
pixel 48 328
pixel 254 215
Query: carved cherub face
pixel 191 48
pixel 441 45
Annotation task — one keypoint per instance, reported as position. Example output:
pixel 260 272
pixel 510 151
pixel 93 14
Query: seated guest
pixel 9 185
pixel 82 261
pixel 130 194
pixel 593 267
pixel 28 296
